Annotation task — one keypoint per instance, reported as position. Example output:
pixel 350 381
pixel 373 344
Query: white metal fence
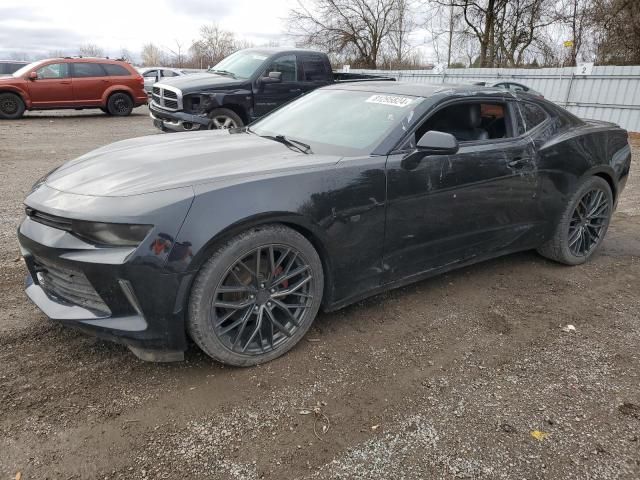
pixel 608 93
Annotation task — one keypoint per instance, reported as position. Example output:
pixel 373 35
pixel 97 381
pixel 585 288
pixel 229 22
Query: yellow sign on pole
pixel 568 43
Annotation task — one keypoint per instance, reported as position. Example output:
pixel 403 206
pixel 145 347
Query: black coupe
pixel 237 238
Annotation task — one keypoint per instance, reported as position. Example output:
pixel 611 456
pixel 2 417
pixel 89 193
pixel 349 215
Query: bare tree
pixel 152 55
pixel 518 24
pixel 126 55
pixel 403 24
pixel 213 45
pixel 351 27
pixel 618 31
pixel 56 54
pixel 90 50
pixel 179 56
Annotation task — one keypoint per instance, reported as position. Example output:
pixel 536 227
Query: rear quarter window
pixel 114 70
pixel 314 68
pixel 532 116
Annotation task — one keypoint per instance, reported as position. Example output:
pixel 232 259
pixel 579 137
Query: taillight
pixel 141 80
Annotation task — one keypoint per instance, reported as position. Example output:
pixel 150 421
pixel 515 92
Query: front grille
pixel 69 286
pixel 49 220
pixel 167 98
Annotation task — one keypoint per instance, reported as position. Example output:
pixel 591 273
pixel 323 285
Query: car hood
pixel 199 82
pixel 162 162
pixel 9 79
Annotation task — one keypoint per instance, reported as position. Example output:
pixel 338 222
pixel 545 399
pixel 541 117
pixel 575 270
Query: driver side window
pixel 469 122
pixel 287 65
pixel 54 70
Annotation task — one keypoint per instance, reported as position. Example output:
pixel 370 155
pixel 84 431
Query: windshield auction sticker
pixel 390 100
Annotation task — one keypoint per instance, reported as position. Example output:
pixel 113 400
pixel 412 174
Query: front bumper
pixel 176 121
pixel 102 292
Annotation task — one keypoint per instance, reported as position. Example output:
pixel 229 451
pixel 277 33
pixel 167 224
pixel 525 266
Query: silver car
pixel 152 75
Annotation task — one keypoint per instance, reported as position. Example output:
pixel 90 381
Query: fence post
pixel 566 100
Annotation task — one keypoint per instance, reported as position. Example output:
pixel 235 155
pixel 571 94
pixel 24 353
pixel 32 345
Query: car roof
pixel 415 89
pixel 161 68
pixel 273 50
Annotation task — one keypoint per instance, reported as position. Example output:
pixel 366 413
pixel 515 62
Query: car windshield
pixel 241 64
pixel 345 122
pixel 26 68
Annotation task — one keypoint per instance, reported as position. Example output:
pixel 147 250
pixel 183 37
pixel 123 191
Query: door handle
pixel 65 83
pixel 295 90
pixel 518 162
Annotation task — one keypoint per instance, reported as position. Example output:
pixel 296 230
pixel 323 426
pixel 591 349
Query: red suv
pixel 114 86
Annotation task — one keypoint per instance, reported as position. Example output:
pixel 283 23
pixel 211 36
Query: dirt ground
pixel 447 378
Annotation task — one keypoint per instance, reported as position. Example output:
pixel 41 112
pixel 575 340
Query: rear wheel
pixel 256 297
pixel 120 104
pixel 11 106
pixel 224 119
pixel 583 223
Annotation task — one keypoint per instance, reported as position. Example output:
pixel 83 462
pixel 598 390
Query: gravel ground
pixel 448 378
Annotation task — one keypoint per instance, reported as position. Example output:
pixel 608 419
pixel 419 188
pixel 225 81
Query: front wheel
pixel 583 223
pixel 224 119
pixel 257 296
pixel 11 106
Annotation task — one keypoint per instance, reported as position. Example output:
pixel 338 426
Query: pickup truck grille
pixel 167 98
pixel 69 286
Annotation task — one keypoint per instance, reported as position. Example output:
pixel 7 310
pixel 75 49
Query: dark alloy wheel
pixel 262 299
pixel 588 222
pixel 120 104
pixel 11 106
pixel 583 224
pixel 257 296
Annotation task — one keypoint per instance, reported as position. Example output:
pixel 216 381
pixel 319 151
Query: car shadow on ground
pixel 84 113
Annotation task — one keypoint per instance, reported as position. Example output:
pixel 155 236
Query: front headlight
pixel 110 234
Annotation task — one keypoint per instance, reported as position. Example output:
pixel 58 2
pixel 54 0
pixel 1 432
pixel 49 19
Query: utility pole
pixel 450 34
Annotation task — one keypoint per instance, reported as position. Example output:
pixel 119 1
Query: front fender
pixel 340 208
pixel 239 100
pixel 21 92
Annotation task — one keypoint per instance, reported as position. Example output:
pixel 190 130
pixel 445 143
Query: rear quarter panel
pixel 567 155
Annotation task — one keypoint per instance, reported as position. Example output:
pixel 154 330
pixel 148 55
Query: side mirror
pixel 438 143
pixel 274 77
pixel 33 76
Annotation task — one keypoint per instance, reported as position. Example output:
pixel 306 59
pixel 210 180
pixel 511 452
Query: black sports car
pixel 237 238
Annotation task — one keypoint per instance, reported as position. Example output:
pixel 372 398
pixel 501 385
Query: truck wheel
pixel 256 296
pixel 11 106
pixel 224 119
pixel 120 104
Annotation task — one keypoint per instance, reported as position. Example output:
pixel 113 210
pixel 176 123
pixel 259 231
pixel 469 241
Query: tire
pixel 580 227
pixel 240 318
pixel 104 110
pixel 11 106
pixel 119 104
pixel 223 119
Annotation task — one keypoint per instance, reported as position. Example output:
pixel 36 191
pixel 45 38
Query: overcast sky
pixel 37 27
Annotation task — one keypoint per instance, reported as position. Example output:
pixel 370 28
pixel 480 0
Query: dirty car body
pixel 381 212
